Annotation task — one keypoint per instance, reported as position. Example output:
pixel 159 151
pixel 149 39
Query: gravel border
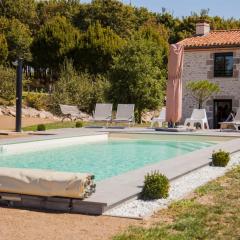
pixel 179 189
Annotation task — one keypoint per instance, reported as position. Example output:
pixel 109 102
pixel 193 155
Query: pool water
pixel 103 159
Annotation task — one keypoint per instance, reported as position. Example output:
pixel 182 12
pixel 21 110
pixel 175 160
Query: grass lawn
pixel 54 125
pixel 212 212
pixel 57 125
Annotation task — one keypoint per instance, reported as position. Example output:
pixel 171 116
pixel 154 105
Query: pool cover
pixel 46 183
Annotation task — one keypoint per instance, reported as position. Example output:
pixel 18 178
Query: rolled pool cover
pixel 46 183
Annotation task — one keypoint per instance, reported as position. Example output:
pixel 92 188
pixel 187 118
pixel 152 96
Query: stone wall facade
pixel 199 65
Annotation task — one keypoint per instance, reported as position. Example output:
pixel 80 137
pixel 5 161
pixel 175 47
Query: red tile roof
pixel 219 38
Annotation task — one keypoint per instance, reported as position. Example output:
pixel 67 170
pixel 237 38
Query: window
pixel 223 65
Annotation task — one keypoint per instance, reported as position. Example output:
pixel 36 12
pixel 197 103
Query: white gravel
pixel 178 190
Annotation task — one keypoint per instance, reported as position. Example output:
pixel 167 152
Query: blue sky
pixel 223 8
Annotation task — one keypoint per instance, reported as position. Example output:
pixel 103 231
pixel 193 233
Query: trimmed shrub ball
pixel 79 124
pixel 156 186
pixel 220 158
pixel 41 127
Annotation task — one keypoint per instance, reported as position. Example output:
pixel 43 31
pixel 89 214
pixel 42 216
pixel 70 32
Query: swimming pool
pixel 104 159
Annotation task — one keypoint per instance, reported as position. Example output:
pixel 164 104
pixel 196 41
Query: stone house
pixel 215 56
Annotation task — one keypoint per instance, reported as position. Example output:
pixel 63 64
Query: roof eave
pixel 212 46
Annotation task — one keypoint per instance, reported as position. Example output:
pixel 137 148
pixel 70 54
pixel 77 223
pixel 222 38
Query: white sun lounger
pixel 103 113
pixel 125 114
pixel 198 116
pixel 71 112
pixel 160 119
pixel 235 122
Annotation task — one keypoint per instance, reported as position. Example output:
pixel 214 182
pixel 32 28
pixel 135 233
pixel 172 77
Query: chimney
pixel 202 28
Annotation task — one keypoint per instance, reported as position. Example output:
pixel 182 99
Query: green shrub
pixel 156 186
pixel 7 83
pixel 3 49
pixel 220 158
pixel 80 89
pixel 41 127
pixel 7 103
pixel 79 124
pixel 38 101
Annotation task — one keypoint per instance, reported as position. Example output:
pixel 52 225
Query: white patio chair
pixel 198 116
pixel 160 119
pixel 125 113
pixel 71 112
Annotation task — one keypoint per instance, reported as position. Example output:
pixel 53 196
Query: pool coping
pixel 210 133
pixel 116 190
pixel 52 134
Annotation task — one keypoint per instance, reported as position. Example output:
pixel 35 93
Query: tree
pixel 109 13
pixel 201 90
pixel 158 34
pixel 171 24
pixel 19 40
pixel 3 49
pixel 23 10
pixel 142 16
pixel 96 49
pixel 18 36
pixel 52 44
pixel 52 8
pixel 136 76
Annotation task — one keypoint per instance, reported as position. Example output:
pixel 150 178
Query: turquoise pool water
pixel 103 159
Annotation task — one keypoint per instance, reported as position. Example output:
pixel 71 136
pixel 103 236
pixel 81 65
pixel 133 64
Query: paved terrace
pixel 118 189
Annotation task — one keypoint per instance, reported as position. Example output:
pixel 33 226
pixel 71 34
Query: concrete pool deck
pixel 116 190
pixel 47 135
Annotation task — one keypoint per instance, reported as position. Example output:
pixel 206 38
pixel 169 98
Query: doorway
pixel 222 109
